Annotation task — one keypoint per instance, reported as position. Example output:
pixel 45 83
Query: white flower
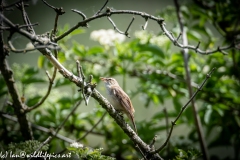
pixel 76 145
pixel 107 37
pixel 145 36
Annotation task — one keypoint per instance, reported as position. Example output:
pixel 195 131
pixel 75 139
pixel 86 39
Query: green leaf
pixel 207 115
pixel 41 61
pixel 30 80
pixel 151 48
pixel 177 104
pixel 33 100
pixel 95 50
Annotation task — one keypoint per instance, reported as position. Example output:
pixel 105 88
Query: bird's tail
pixel 131 117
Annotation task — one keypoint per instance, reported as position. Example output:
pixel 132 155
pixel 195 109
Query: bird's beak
pixel 103 79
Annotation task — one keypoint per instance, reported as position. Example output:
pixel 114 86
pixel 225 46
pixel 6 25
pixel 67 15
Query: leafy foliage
pixel 157 67
pixel 27 146
pixel 86 153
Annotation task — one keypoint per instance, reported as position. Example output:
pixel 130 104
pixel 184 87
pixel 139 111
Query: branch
pixel 43 129
pixel 59 11
pixel 65 120
pixel 101 8
pixel 87 133
pixel 62 124
pixel 47 93
pixel 42 144
pixel 93 127
pixel 18 106
pixel 167 128
pixel 182 110
pixel 188 81
pixel 80 13
pixel 110 12
pixel 26 20
pixel 146 16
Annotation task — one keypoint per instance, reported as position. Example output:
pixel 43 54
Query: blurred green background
pixel 144 66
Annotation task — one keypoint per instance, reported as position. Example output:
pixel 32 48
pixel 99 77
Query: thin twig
pixel 146 23
pixel 114 26
pixel 40 128
pixel 80 13
pixel 50 84
pixel 25 50
pixel 87 133
pixel 185 54
pixel 58 10
pixel 83 84
pixel 11 5
pixel 26 19
pixel 42 144
pixel 101 8
pixel 160 21
pixel 126 32
pixel 153 142
pixel 65 120
pixel 141 152
pixel 93 127
pixel 180 113
pixel 78 69
pixel 167 128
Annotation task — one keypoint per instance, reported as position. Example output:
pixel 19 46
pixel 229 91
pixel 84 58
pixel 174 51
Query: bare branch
pixel 89 131
pixel 146 23
pixel 83 82
pixel 196 49
pixel 114 26
pixel 141 152
pixel 26 20
pixel 153 142
pixel 40 128
pixel 101 8
pixel 78 69
pixel 18 106
pixel 59 10
pixel 47 93
pixel 80 13
pixel 65 120
pixel 93 127
pixel 126 32
pixel 185 55
pixel 183 108
pixel 109 13
pixel 42 144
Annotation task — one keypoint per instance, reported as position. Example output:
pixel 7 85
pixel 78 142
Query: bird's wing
pixel 125 102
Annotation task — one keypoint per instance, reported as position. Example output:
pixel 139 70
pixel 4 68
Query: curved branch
pixel 160 21
pixel 47 93
pixel 183 108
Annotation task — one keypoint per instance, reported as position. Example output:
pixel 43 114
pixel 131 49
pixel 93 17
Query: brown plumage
pixel 119 99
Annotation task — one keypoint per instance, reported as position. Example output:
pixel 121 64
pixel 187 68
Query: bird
pixel 119 99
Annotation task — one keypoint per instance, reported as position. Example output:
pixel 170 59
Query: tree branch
pixel 40 128
pixel 182 110
pixel 18 106
pixel 188 81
